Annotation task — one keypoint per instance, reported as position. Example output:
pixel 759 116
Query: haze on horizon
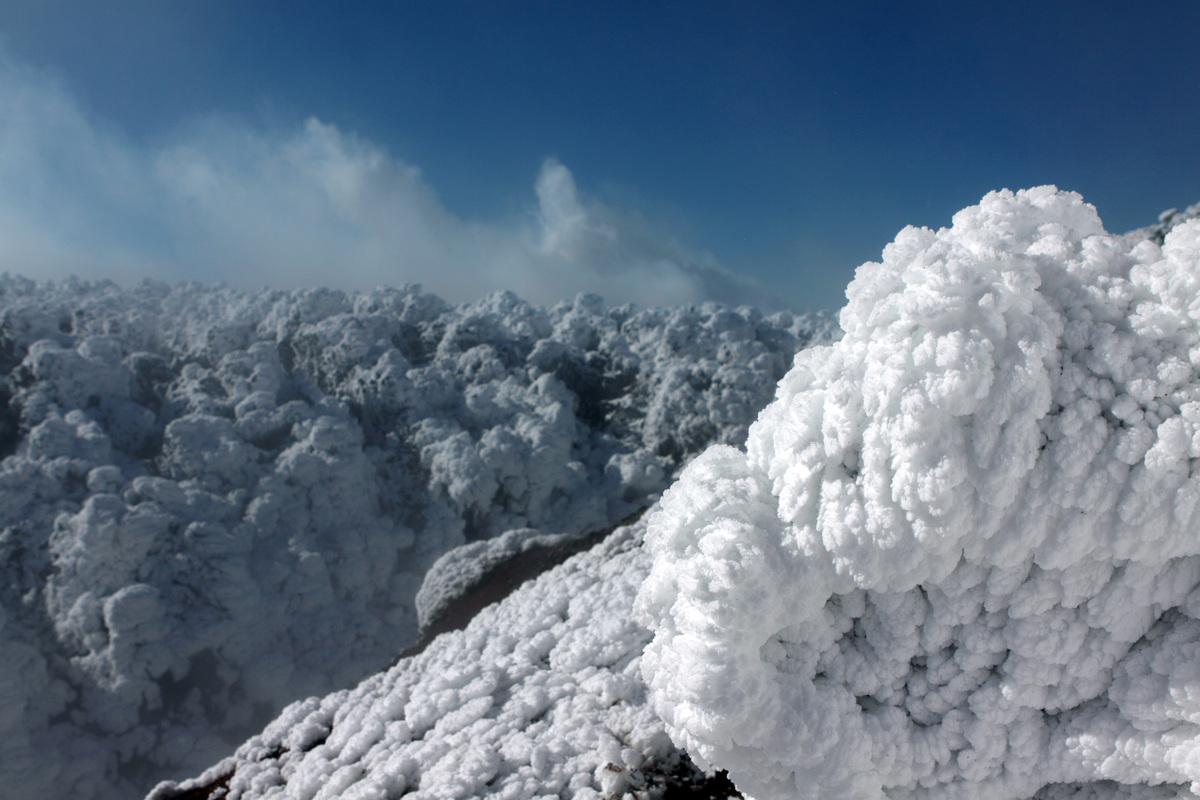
pixel 655 154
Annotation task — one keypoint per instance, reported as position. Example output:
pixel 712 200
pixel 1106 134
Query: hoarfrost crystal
pixel 958 557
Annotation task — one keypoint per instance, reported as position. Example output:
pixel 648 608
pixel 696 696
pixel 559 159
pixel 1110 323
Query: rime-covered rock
pixel 959 556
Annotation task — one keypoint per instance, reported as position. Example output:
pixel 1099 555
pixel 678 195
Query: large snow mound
pixel 540 696
pixel 958 557
pixel 213 503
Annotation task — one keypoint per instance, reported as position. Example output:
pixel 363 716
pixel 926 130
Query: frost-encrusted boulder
pixel 1168 221
pixel 959 555
pixel 453 575
pixel 213 503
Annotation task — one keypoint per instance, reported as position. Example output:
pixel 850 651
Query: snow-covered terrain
pixel 957 558
pixel 214 503
pixel 541 695
pixel 959 555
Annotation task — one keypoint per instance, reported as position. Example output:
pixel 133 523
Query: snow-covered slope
pixel 213 503
pixel 541 695
pixel 960 554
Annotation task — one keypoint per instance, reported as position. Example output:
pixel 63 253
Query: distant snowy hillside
pixel 213 503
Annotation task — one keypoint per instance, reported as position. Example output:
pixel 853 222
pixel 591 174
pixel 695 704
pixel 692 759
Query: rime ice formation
pixel 958 557
pixel 540 696
pixel 213 503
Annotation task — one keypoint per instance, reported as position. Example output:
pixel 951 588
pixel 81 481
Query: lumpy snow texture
pixel 540 696
pixel 958 557
pixel 213 503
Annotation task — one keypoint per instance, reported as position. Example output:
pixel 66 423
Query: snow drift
pixel 213 503
pixel 959 555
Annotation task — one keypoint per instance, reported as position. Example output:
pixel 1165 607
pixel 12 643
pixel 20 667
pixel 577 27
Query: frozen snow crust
pixel 540 696
pixel 958 557
pixel 213 503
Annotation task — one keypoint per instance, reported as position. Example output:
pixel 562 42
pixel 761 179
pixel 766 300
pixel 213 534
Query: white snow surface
pixel 958 557
pixel 541 695
pixel 213 503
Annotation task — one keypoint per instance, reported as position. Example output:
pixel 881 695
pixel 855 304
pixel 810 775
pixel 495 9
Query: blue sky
pixel 655 152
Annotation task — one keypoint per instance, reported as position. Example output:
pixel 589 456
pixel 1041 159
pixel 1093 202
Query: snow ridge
pixel 540 695
pixel 214 502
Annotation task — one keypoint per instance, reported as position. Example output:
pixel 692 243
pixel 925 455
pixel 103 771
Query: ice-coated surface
pixel 958 557
pixel 213 503
pixel 541 695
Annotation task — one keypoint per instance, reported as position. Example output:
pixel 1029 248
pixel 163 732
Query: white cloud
pixel 315 206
